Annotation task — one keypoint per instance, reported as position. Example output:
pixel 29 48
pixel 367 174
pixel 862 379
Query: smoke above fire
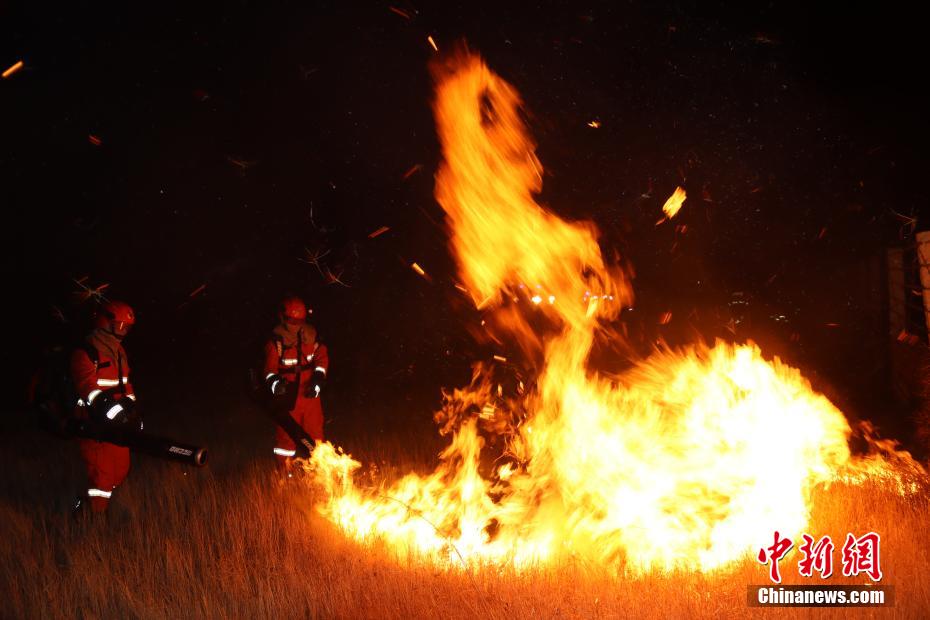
pixel 688 460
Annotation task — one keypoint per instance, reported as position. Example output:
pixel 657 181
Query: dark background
pixel 236 137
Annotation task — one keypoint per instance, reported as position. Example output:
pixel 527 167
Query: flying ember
pixel 686 461
pixel 674 202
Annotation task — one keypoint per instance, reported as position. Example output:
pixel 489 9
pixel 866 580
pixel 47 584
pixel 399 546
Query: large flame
pixel 687 460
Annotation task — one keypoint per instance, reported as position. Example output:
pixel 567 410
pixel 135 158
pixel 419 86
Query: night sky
pixel 209 147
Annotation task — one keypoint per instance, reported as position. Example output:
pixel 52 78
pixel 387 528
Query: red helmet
pixel 294 310
pixel 114 316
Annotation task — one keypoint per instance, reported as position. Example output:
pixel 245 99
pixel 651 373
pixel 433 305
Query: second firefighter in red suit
pixel 100 373
pixel 295 371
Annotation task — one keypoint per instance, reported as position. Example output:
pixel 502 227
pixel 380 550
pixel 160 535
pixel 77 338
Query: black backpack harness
pixel 94 356
pixel 291 366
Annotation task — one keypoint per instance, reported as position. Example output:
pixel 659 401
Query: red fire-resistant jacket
pixel 91 379
pixel 284 361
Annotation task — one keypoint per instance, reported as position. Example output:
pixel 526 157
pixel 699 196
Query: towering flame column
pixel 688 460
pixel 500 236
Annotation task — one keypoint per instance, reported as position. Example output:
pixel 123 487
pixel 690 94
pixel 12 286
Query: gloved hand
pixel 105 408
pixel 276 385
pixel 130 417
pixel 101 407
pixel 315 386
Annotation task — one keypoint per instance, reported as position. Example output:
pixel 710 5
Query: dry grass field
pixel 229 541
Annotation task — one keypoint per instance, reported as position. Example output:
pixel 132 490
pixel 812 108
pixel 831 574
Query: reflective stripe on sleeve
pixel 107 382
pixel 99 493
pixel 321 369
pixel 283 452
pixel 289 361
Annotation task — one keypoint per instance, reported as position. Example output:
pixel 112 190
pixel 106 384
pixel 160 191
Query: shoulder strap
pixel 119 368
pixel 300 353
pixel 91 351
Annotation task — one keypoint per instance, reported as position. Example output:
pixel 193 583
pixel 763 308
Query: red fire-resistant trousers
pixel 308 412
pixel 107 465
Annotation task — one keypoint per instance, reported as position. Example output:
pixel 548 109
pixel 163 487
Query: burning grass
pixel 682 463
pixel 637 496
pixel 234 544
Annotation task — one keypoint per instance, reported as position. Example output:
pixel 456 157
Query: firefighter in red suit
pixel 295 371
pixel 100 372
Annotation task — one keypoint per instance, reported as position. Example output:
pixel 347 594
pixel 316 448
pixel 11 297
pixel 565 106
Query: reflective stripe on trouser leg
pixel 99 493
pixel 284 452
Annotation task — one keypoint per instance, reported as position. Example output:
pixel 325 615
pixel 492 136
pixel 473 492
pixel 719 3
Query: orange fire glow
pixel 688 460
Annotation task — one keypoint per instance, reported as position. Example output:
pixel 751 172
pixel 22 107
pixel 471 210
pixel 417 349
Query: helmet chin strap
pixel 112 331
